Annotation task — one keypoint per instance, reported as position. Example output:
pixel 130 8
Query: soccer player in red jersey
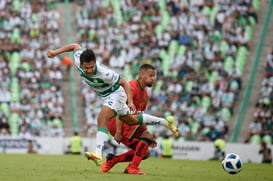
pixel 136 137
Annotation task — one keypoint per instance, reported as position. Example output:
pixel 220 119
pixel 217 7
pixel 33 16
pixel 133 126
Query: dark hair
pixel 146 67
pixel 87 56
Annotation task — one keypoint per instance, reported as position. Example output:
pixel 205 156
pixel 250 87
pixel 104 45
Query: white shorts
pixel 117 102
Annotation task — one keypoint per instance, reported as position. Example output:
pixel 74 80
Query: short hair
pixel 87 56
pixel 146 67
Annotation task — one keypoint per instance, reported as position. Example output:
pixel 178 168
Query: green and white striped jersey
pixel 104 81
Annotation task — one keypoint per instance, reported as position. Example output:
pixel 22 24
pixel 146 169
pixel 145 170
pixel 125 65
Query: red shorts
pixel 130 134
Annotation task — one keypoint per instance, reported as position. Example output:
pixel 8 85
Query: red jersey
pixel 140 100
pixel 140 96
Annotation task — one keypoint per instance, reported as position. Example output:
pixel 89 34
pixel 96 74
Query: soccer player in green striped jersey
pixel 115 93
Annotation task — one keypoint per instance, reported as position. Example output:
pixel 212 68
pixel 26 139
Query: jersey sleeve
pixel 110 76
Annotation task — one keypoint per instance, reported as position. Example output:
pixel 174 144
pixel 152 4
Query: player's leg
pixel 113 104
pixel 112 160
pixel 142 152
pixel 147 119
pixel 131 155
pixel 123 112
pixel 131 135
pixel 104 116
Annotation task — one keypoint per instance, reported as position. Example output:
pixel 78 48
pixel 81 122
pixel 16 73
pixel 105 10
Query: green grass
pixel 77 168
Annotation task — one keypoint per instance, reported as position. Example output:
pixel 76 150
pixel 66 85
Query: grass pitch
pixel 17 167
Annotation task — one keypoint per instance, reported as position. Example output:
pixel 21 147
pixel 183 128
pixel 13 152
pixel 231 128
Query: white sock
pixel 153 120
pixel 101 139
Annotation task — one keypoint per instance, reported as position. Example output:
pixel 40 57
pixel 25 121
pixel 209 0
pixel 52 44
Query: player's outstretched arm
pixel 118 136
pixel 66 48
pixel 128 91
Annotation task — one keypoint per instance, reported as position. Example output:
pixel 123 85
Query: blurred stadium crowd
pixel 198 47
pixel 31 100
pixel 261 128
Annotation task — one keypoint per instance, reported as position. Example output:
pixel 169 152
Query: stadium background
pixel 40 96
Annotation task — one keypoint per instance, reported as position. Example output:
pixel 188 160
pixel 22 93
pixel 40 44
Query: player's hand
pixel 132 108
pixel 51 53
pixel 118 137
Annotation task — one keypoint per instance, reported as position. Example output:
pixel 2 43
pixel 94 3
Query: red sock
pixel 141 149
pixel 125 157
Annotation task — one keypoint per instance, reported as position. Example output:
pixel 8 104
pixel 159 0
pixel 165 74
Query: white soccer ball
pixel 232 163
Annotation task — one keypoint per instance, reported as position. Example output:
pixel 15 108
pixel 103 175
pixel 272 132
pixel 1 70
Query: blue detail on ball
pixel 229 165
pixel 231 156
pixel 238 164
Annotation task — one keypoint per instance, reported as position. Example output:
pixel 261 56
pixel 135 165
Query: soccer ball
pixel 232 163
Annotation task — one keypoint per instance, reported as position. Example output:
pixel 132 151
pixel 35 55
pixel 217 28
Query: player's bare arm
pixel 66 48
pixel 128 91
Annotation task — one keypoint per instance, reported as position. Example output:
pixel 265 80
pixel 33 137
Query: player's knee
pixel 146 140
pixel 147 134
pixel 130 123
pixel 102 123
